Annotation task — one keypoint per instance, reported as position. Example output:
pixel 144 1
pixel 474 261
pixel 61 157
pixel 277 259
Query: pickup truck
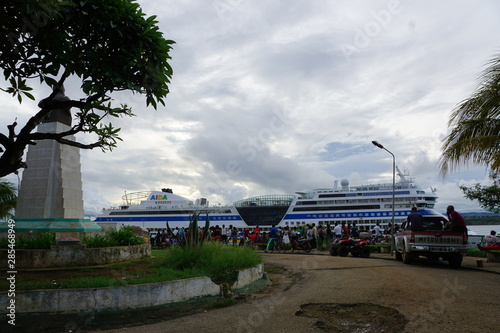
pixel 432 242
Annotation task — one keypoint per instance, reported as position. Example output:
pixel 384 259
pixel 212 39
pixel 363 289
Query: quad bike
pixel 356 247
pixel 300 244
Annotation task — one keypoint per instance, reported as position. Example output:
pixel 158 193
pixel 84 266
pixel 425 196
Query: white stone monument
pixel 51 197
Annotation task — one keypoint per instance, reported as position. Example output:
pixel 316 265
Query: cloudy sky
pixel 281 96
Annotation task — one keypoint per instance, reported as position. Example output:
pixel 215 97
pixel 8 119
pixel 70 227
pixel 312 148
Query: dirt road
pixel 334 294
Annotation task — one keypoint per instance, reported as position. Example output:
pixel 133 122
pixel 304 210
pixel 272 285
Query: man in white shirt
pixel 378 233
pixel 337 231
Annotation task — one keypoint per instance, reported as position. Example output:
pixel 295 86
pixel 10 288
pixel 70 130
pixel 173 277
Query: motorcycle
pixel 300 244
pixel 357 247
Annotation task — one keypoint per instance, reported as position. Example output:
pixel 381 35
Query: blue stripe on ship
pixel 367 215
pixel 172 218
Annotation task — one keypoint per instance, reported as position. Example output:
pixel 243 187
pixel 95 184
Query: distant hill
pixel 480 218
pixel 482 214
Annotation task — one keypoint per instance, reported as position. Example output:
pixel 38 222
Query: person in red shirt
pixel 457 221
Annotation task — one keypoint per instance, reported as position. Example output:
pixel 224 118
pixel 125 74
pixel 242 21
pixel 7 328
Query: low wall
pixel 118 298
pixel 75 255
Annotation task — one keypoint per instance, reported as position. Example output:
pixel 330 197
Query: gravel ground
pixel 320 293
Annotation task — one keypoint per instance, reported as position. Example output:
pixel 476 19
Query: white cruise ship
pixel 364 205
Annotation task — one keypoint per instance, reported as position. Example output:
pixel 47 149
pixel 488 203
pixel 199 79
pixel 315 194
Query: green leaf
pixel 30 96
pixel 50 81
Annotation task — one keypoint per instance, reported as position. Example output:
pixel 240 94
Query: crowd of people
pixel 165 238
pixel 320 237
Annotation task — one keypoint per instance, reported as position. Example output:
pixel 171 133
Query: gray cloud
pixel 276 97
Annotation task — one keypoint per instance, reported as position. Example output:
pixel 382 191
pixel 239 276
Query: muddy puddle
pixel 357 318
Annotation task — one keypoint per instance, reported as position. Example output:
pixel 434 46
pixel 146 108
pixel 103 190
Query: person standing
pixel 415 220
pixel 345 230
pixel 354 231
pixel 314 242
pixel 377 234
pixel 329 237
pixel 256 231
pixel 321 238
pixel 337 230
pixel 273 235
pixel 309 234
pixel 457 221
pixel 223 232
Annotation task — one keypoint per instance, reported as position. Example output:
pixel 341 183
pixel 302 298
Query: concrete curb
pixel 467 263
pixel 119 298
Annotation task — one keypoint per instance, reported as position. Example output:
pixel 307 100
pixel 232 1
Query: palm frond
pixel 8 198
pixel 475 126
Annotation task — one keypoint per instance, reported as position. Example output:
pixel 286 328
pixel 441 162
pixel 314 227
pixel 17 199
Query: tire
pixel 307 247
pixel 399 256
pixel 334 250
pixel 365 252
pixel 407 257
pixel 343 251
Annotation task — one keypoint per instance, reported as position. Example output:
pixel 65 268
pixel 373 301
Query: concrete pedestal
pixel 51 198
pixel 51 186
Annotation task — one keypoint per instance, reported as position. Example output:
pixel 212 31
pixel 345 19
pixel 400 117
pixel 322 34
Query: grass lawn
pixel 219 262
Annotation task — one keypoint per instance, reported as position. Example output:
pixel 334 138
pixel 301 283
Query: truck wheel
pixel 343 251
pixel 455 261
pixel 407 257
pixel 307 247
pixel 365 252
pixel 334 251
pixel 399 256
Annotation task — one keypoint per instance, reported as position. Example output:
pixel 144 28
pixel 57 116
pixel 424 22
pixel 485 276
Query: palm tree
pixel 475 126
pixel 8 198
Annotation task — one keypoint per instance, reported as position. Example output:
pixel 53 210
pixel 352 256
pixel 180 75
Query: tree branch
pixel 78 144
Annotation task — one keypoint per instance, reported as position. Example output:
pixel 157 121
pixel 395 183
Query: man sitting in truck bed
pixel 457 221
pixel 415 220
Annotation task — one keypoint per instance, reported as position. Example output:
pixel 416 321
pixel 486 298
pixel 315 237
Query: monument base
pixel 52 225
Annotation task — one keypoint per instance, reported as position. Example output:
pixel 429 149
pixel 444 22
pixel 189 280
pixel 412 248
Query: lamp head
pixel 376 143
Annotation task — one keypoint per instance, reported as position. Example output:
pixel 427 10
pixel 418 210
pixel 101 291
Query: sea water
pixel 477 233
pixel 484 230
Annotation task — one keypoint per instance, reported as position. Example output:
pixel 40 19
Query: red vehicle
pixel 433 242
pixel 357 247
pixel 300 244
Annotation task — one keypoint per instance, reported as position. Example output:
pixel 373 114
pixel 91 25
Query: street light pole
pixel 377 144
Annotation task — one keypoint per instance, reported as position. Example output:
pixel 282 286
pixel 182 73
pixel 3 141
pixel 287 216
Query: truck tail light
pixel 412 238
pixel 466 239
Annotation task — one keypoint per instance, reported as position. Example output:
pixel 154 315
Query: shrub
pixel 476 253
pixel 35 241
pixel 98 241
pixel 194 237
pixel 219 261
pixel 114 237
pixel 124 236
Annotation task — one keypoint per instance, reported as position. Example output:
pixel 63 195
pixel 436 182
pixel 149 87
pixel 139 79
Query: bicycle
pixel 277 245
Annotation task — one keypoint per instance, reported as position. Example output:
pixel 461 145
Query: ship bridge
pixel 265 209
